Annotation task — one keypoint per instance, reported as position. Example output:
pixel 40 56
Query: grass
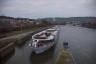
pixel 19 32
pixel 64 58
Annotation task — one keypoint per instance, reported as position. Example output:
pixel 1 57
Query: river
pixel 82 45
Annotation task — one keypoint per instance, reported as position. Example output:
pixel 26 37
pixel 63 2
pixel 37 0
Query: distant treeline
pixel 89 22
pixel 11 24
pixel 81 19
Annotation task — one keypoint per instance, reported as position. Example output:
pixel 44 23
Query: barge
pixel 44 40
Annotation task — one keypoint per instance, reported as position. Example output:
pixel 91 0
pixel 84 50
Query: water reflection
pixel 42 58
pixel 21 45
pixel 8 56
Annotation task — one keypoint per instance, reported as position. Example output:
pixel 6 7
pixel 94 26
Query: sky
pixel 48 8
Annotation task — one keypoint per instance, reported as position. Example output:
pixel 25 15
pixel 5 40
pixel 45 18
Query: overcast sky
pixel 47 8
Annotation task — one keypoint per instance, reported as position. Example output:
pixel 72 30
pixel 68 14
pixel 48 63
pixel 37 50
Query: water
pixel 82 45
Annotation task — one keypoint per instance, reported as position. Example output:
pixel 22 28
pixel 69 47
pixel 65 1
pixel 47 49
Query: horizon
pixel 51 17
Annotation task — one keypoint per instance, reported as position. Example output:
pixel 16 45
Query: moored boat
pixel 44 40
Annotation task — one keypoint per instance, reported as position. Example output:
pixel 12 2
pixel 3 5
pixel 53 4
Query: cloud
pixel 47 8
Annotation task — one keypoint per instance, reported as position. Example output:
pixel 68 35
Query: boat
pixel 44 40
pixel 65 44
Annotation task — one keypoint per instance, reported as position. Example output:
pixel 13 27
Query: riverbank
pixel 12 33
pixel 64 57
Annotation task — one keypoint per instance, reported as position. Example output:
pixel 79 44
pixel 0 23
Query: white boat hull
pixel 43 48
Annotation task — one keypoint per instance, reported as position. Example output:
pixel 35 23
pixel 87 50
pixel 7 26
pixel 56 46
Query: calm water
pixel 82 44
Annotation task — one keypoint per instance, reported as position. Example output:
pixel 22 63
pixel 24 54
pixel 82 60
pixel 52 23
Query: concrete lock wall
pixel 6 46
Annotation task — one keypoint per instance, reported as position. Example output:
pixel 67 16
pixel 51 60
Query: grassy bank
pixel 6 34
pixel 64 57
